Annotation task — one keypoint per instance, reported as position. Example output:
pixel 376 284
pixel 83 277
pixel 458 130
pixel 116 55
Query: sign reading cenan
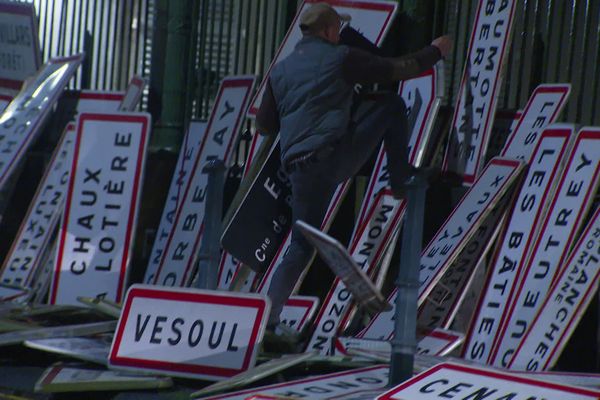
pixel 454 381
pixel 101 207
pixel 189 332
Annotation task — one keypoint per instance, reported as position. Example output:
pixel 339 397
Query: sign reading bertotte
pixel 25 254
pixel 101 207
pixel 454 381
pixel 20 55
pixel 373 18
pixel 480 84
pixel 189 332
pixel 21 120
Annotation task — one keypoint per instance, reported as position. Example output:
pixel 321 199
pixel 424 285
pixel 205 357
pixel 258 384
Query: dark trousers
pixel 313 184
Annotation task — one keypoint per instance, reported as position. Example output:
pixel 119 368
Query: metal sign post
pixel 209 255
pixel 404 343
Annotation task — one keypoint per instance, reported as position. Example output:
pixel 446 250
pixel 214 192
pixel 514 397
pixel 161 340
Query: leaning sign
pixel 20 123
pixel 101 207
pixel 454 381
pixel 189 332
pixel 20 55
pixel 476 103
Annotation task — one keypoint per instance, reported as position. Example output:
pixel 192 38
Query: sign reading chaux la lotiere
pixel 189 332
pixel 101 207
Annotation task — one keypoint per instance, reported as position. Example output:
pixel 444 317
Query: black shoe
pixel 281 339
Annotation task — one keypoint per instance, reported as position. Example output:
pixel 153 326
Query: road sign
pixel 373 18
pixel 20 55
pixel 542 109
pixel 456 381
pixel 181 175
pixel 320 387
pixel 101 207
pixel 38 227
pixel 454 235
pixel 570 204
pixel 298 311
pixel 181 247
pixel 92 349
pixel 62 379
pixel 189 332
pixel 133 93
pixel 515 244
pixel 564 305
pixel 21 121
pixel 480 85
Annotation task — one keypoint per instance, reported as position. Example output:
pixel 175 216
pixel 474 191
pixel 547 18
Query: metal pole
pixel 404 343
pixel 209 254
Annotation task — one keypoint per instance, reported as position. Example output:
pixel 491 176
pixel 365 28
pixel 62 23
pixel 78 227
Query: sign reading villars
pixel 189 332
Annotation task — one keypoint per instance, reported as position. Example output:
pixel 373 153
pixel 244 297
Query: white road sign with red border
pixel 101 207
pixel 189 332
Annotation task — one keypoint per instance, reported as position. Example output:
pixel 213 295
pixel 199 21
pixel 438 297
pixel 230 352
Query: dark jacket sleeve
pixel 362 67
pixel 267 117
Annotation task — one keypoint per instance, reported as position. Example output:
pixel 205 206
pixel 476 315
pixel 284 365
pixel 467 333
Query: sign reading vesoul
pixel 189 332
pixel 101 207
pixel 453 381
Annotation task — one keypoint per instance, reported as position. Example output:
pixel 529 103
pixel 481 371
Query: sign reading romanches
pixel 189 332
pixel 101 207
pixel 455 381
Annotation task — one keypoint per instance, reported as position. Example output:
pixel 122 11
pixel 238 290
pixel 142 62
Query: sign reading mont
pixel 189 332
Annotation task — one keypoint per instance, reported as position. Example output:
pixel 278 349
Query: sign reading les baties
pixel 189 332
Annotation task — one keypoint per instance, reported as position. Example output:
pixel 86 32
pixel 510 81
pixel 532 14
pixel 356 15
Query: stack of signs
pixel 449 380
pixel 181 246
pixel 21 121
pixel 189 332
pixel 101 207
pixel 20 48
pixel 476 104
pixel 570 205
pixel 515 244
pixel 489 189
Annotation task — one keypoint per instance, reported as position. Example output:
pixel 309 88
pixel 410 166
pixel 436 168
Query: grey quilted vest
pixel 312 97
